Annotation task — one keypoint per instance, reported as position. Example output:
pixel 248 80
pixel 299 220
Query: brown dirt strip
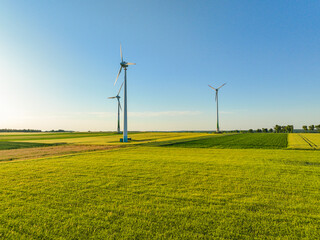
pixel 39 152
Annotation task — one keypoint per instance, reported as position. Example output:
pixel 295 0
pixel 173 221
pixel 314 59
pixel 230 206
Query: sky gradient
pixel 59 60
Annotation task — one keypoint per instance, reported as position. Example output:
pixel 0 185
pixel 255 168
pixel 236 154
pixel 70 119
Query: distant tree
pixel 265 130
pixel 290 128
pixel 284 129
pixel 305 128
pixel 259 130
pixel 311 128
pixel 271 130
pixel 277 128
pixel 318 127
pixel 250 131
pixel 19 130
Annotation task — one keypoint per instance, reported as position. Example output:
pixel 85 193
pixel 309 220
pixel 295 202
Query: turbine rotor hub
pixel 124 64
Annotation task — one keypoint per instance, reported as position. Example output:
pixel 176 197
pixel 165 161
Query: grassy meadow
pixel 161 186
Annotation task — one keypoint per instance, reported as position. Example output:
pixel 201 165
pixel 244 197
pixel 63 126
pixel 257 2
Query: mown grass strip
pixel 17 145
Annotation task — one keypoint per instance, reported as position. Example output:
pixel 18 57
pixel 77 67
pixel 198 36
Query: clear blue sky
pixel 59 60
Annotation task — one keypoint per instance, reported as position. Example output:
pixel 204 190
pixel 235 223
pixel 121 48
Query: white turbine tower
pixel 217 90
pixel 124 65
pixel 119 106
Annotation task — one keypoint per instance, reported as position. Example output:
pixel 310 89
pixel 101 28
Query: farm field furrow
pixel 163 193
pixel 255 140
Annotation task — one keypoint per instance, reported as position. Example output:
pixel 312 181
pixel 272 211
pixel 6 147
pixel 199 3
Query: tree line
pixel 275 129
pixel 19 130
pixel 285 129
pixel 311 128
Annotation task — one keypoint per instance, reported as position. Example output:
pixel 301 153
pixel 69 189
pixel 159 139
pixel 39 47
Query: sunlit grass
pixel 52 136
pixel 163 193
pixel 190 190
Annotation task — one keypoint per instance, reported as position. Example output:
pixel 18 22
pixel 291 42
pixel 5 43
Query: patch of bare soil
pixel 39 152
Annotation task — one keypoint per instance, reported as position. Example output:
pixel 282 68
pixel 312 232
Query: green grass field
pixel 178 191
pixel 15 145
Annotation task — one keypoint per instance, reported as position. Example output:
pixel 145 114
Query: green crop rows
pixel 257 140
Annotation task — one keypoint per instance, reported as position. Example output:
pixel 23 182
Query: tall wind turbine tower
pixel 124 65
pixel 119 106
pixel 217 90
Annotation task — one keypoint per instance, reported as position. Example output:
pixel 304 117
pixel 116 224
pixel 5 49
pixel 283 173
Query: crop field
pixel 160 186
pixel 257 140
pixel 304 141
pixel 51 136
pixel 100 138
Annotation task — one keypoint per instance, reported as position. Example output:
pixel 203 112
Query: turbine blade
pixel 119 104
pixel 212 87
pixel 222 85
pixel 216 95
pixel 131 64
pixel 118 76
pixel 111 97
pixel 121 53
pixel 120 88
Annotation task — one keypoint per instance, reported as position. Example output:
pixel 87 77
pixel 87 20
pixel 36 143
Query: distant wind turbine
pixel 119 106
pixel 124 65
pixel 217 90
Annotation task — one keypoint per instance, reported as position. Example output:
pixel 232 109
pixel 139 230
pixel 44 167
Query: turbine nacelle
pixel 124 64
pixel 117 96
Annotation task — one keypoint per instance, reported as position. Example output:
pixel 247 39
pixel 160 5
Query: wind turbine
pixel 119 106
pixel 124 65
pixel 217 90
